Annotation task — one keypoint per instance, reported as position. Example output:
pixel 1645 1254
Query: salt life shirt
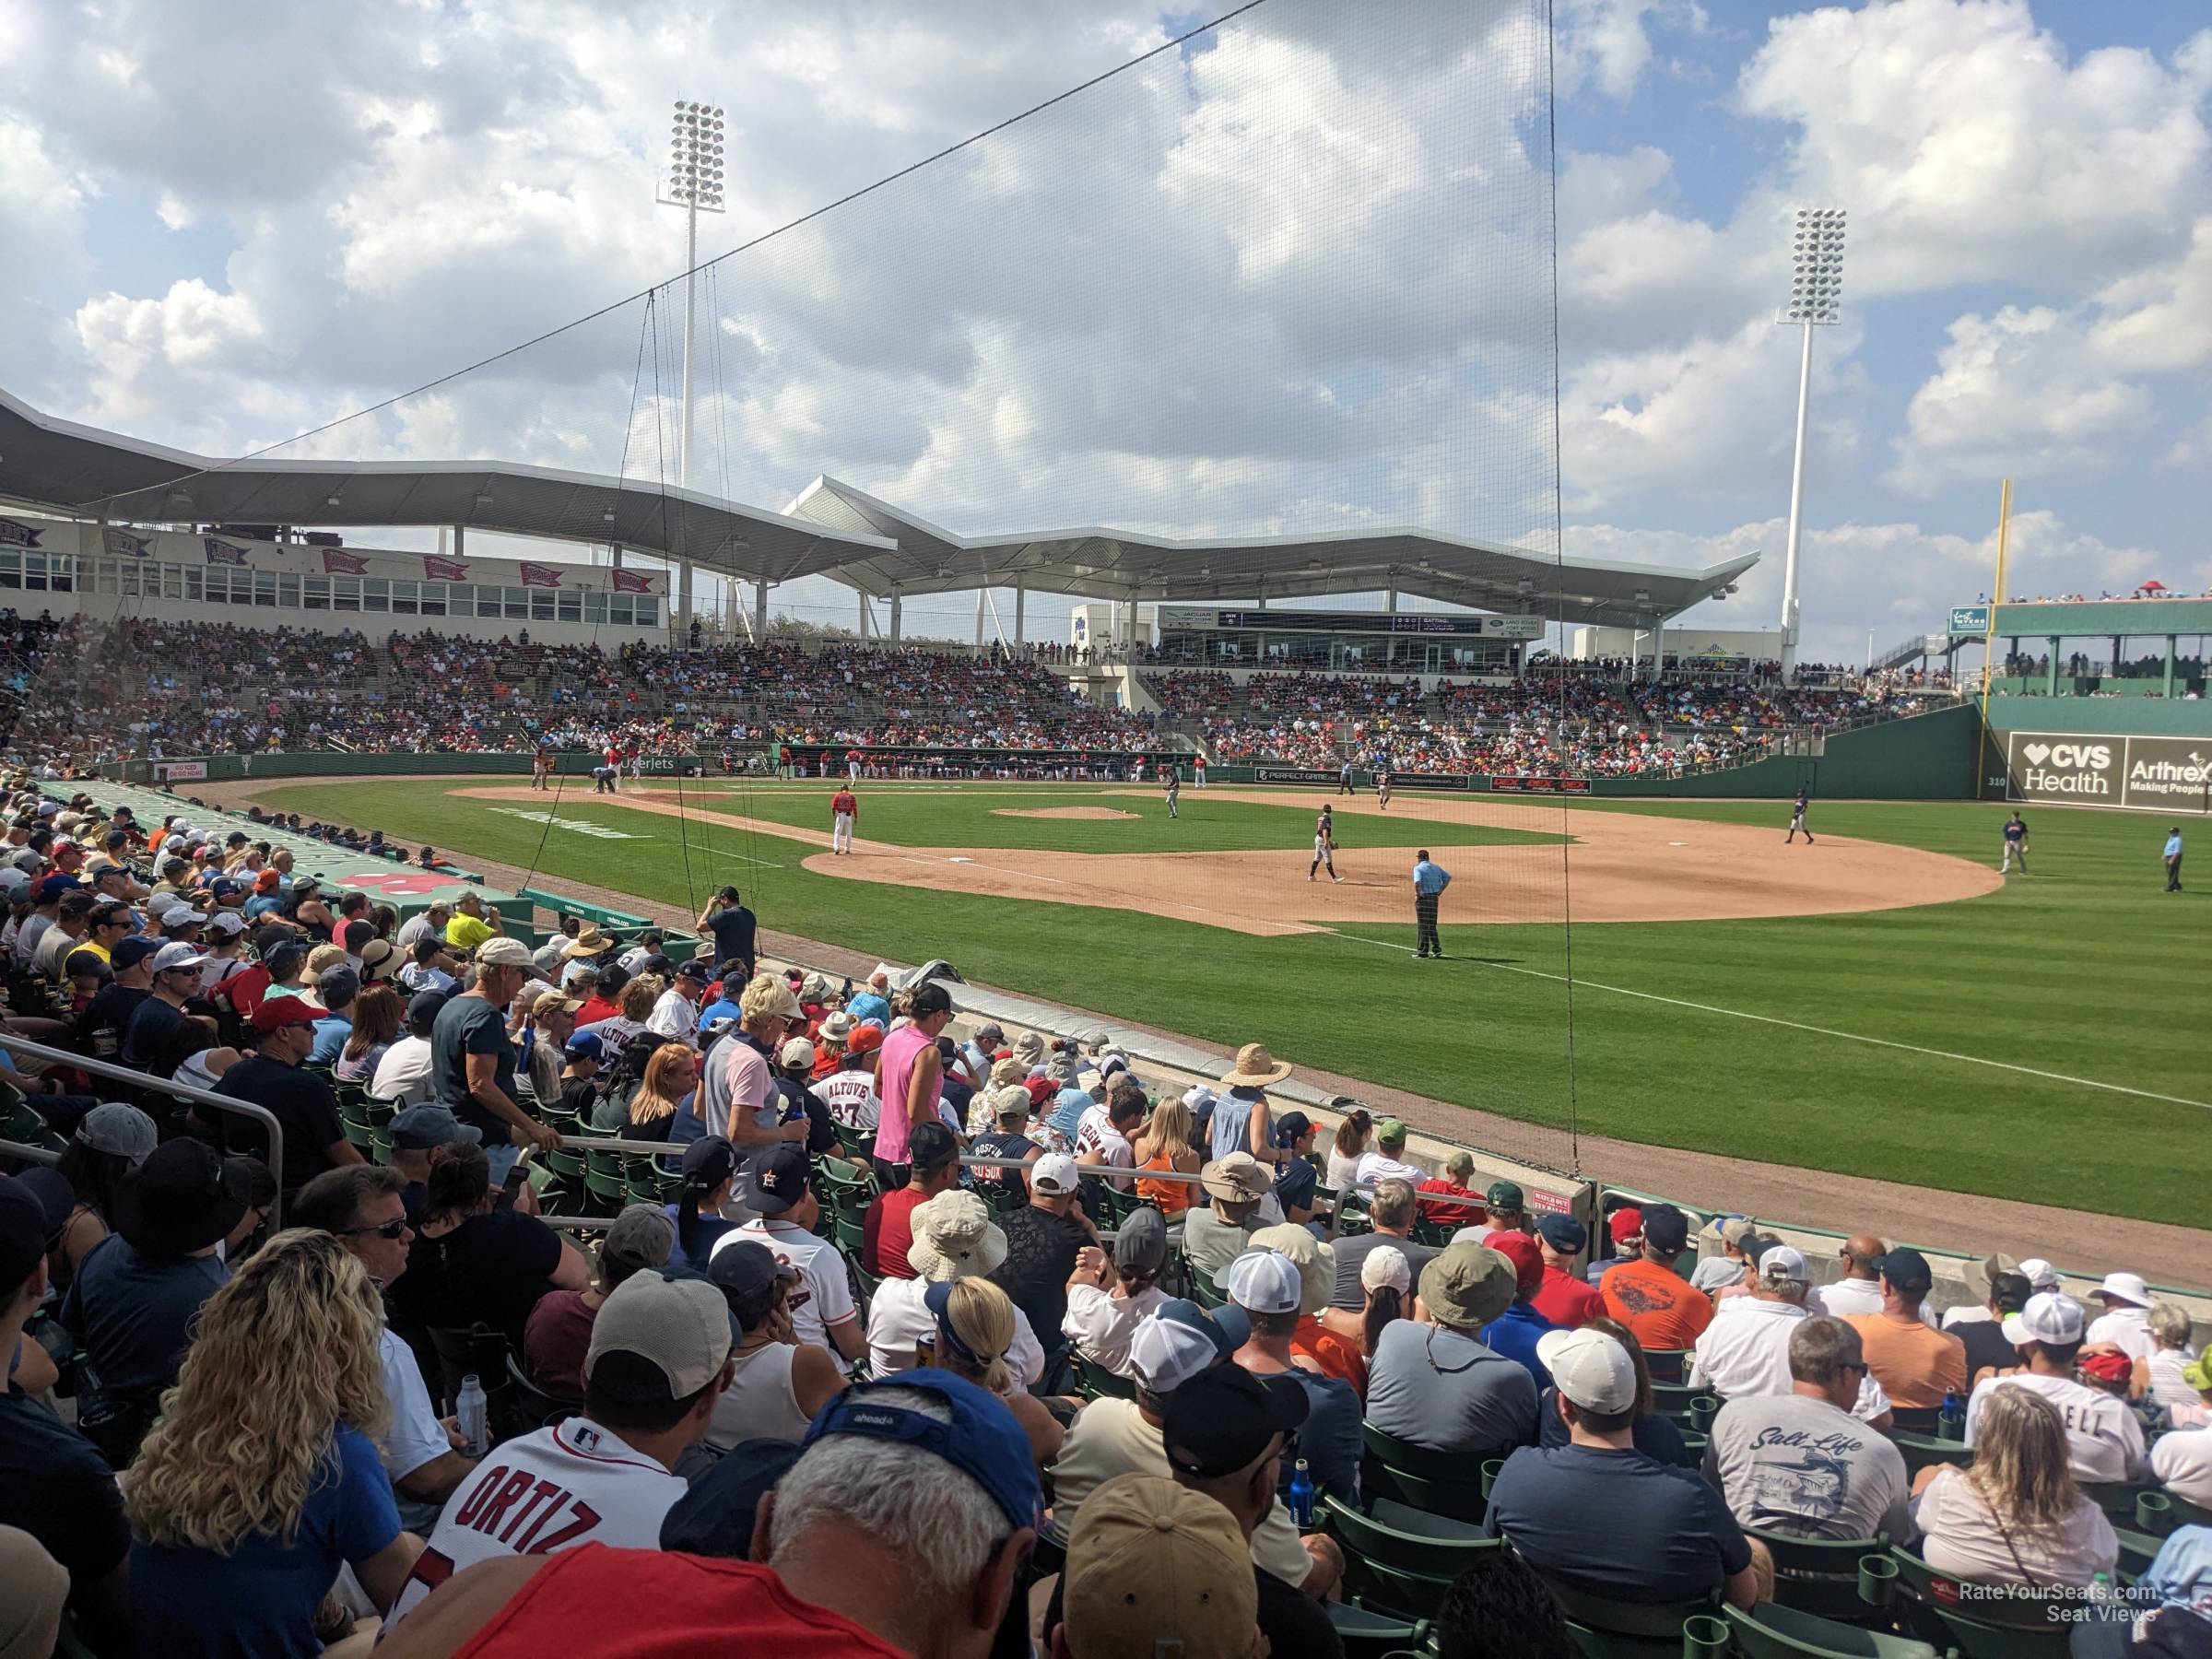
pixel 1793 1463
pixel 571 1484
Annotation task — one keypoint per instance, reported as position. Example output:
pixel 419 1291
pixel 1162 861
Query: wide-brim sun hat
pixel 1255 1068
pixel 955 1238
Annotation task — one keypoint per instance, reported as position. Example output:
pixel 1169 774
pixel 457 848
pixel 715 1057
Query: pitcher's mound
pixel 1061 812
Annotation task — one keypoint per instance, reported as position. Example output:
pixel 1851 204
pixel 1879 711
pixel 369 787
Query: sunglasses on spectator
pixel 382 1230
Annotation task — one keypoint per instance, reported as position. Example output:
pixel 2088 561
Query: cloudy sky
pixel 1292 276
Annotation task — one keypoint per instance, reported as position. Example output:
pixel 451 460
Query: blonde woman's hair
pixel 656 1098
pixel 1170 1128
pixel 638 996
pixel 980 1316
pixel 286 1351
pixel 2020 1466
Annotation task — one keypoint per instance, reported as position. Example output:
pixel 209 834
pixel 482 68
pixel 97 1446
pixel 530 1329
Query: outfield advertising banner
pixel 1540 785
pixel 2071 769
pixel 1430 781
pixel 1290 774
pixel 179 772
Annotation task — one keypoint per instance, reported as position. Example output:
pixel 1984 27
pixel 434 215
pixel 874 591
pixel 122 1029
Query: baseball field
pixel 1879 1004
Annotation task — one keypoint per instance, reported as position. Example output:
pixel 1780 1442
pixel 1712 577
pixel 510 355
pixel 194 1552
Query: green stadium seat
pixel 1368 1634
pixel 1774 1632
pixel 1605 1627
pixel 1094 1382
pixel 533 1407
pixel 1666 1365
pixel 1405 1559
pixel 2013 1627
pixel 1921 1450
pixel 1818 1576
pixel 1447 1484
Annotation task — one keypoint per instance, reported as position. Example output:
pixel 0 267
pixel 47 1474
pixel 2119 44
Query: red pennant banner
pixel 437 567
pixel 344 564
pixel 630 582
pixel 537 575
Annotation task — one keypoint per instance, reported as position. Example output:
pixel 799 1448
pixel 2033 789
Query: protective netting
pixel 1294 276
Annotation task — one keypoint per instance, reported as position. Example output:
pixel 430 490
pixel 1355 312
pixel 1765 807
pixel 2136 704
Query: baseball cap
pixel 176 915
pixel 1666 1228
pixel 864 1040
pixel 22 1233
pixel 1292 1128
pixel 1386 1269
pixel 744 1267
pixel 176 954
pixel 1167 1352
pixel 2039 1272
pixel 1467 1284
pixel 1505 1195
pixel 1735 1229
pixel 419 1128
pixel 777 1179
pixel 1224 1419
pixel 1782 1264
pixel 1520 1250
pixel 1591 1369
pixel 130 952
pixel 1054 1175
pixel 1140 1243
pixel 1562 1232
pixel 1390 1129
pixel 226 922
pixel 584 1045
pixel 642 1235
pixel 2048 1317
pixel 274 1013
pixel 1907 1269
pixel 799 1052
pixel 120 1130
pixel 503 952
pixel 2126 1287
pixel 1625 1223
pixel 982 1441
pixel 656 1338
pixel 423 1009
pixel 1154 1568
pixel 1263 1281
pixel 1226 1327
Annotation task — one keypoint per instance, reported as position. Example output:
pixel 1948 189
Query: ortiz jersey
pixel 571 1484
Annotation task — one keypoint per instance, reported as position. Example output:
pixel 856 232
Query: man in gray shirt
pixel 1800 1463
pixel 1436 1384
pixel 1393 1209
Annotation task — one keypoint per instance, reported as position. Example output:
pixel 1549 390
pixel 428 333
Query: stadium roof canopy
pixel 1122 566
pixel 832 529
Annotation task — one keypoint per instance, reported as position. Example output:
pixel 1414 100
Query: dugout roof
pixel 832 529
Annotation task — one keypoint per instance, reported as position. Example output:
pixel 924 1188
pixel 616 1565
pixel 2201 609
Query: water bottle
pixel 471 1410
pixel 1952 1419
pixel 1301 1496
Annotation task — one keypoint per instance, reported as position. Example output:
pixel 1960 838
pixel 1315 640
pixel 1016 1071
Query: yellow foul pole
pixel 1996 595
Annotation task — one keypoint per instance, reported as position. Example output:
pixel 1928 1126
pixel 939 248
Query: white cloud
pixel 1605 43
pixel 1968 148
pixel 2161 318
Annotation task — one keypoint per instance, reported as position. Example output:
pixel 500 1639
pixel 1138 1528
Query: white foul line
pixel 1910 1047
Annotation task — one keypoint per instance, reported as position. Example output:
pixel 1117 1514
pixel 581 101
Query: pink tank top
pixel 899 1050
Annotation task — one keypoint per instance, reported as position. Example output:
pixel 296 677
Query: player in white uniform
pixel 659 1358
pixel 1324 845
pixel 1382 791
pixel 1198 771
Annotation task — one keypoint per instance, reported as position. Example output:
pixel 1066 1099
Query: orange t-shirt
pixel 1338 1355
pixel 1169 1197
pixel 1656 1303
pixel 1915 1364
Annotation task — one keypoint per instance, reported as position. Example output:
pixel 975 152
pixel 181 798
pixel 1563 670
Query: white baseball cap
pixel 2048 1317
pixel 1166 1353
pixel 1386 1267
pixel 1196 1095
pixel 1054 1175
pixel 1784 1263
pixel 177 954
pixel 2040 1274
pixel 228 921
pixel 1265 1282
pixel 2126 1287
pixel 1592 1370
pixel 172 915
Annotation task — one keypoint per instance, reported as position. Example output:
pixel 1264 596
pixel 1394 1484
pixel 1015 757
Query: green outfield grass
pixel 1760 1039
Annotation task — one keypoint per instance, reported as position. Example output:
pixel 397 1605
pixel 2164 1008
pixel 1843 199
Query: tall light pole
pixel 693 184
pixel 1815 291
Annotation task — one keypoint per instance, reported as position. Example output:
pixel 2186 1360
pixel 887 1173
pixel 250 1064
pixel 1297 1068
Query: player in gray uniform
pixel 1797 820
pixel 1324 845
pixel 2016 845
pixel 1172 784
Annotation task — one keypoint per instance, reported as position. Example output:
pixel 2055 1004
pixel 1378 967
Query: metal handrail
pixel 182 1091
pixel 29 1154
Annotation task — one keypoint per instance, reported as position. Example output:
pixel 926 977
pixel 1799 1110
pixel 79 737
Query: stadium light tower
pixel 1815 292
pixel 694 184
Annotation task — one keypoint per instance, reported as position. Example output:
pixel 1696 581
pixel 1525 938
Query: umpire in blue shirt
pixel 1429 880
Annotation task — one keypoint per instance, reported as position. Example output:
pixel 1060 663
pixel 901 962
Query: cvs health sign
pixel 2065 768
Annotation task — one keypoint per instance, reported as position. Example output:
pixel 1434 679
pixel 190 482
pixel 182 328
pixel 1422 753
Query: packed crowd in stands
pixel 871 1272
pixel 83 692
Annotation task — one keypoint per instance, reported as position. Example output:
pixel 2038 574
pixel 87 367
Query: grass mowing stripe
pixel 1910 1048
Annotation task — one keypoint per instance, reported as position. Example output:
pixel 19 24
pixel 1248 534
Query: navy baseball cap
pixel 584 1045
pixel 130 952
pixel 419 1128
pixel 1562 1232
pixel 1666 1228
pixel 1908 1270
pixel 982 1441
pixel 23 1235
pixel 777 1179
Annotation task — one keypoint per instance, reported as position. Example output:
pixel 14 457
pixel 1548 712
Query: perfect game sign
pixel 2148 774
